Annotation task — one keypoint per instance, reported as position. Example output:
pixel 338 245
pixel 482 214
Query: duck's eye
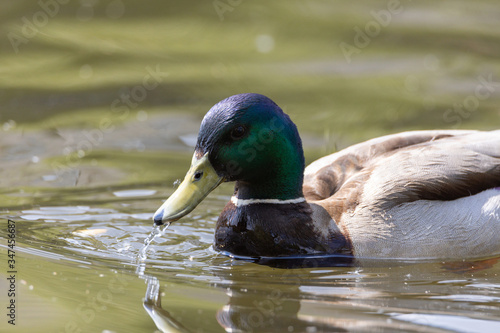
pixel 197 176
pixel 238 132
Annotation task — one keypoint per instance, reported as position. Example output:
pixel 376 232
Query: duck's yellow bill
pixel 200 180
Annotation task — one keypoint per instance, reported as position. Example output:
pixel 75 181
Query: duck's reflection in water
pixel 152 304
pixel 278 311
pixel 246 311
pixel 253 306
pixel 328 299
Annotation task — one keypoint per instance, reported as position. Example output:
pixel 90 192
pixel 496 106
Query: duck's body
pixel 413 195
pixel 422 194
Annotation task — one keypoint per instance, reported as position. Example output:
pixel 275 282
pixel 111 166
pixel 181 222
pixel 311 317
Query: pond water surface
pixel 100 104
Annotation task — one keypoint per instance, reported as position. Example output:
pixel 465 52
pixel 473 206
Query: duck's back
pixel 418 194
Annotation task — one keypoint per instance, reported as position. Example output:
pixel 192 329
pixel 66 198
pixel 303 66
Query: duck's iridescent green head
pixel 245 138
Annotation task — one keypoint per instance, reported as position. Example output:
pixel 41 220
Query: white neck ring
pixel 245 202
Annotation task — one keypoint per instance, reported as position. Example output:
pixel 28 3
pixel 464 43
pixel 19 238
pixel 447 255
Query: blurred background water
pixel 100 103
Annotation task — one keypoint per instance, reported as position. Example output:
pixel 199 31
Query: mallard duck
pixel 412 195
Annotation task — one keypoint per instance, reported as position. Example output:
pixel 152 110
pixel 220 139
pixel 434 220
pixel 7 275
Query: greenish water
pixel 100 102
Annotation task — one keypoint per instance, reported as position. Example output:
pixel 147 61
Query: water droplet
pixel 9 125
pixel 264 43
pixel 86 71
pixel 157 231
pixel 142 115
pixel 49 178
